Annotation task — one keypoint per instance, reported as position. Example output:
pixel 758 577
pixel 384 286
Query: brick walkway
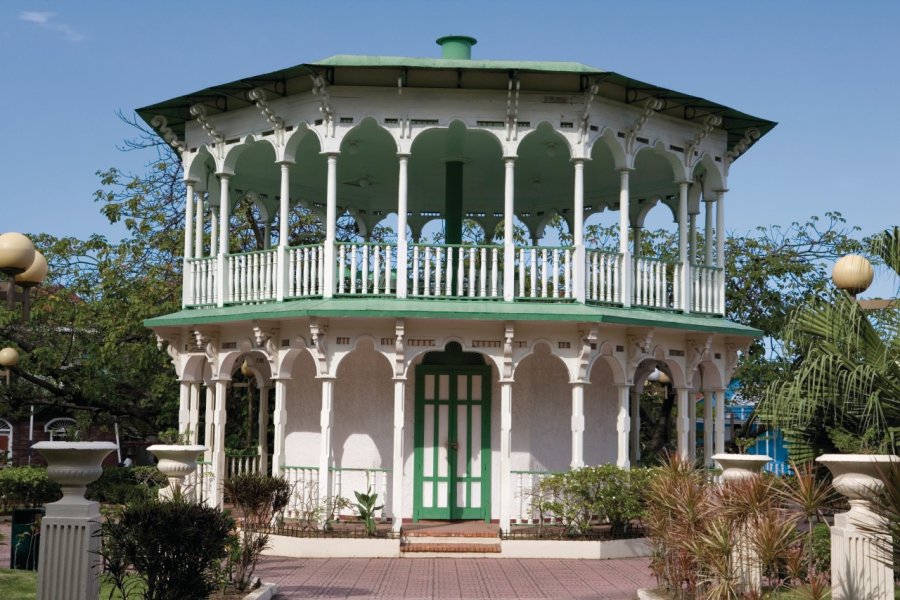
pixel 455 578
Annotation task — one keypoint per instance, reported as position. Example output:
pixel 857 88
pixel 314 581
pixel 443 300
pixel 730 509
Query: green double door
pixel 452 442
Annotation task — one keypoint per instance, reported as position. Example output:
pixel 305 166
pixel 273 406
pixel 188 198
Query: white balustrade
pixel 475 271
pixel 306 274
pixel 201 277
pixel 366 269
pixel 706 290
pixel 346 481
pixel 603 277
pixel 304 482
pixel 251 276
pixel 240 465
pixel 544 273
pixel 526 488
pixel 656 284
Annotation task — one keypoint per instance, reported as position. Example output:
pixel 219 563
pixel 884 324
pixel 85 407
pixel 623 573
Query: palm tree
pixel 842 392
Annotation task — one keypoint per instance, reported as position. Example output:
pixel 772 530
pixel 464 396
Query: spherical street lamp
pixel 9 357
pixel 16 253
pixel 853 273
pixel 24 267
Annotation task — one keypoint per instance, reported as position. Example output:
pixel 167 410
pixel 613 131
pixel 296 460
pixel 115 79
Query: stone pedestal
pixel 735 468
pixel 858 567
pixel 177 462
pixel 69 566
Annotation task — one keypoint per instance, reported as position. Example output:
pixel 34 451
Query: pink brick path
pixel 455 578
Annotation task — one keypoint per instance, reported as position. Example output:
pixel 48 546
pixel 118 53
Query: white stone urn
pixel 73 465
pixel 858 476
pixel 740 466
pixel 176 462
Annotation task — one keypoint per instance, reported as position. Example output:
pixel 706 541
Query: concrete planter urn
pixel 73 465
pixel 69 560
pixel 740 466
pixel 176 462
pixel 858 569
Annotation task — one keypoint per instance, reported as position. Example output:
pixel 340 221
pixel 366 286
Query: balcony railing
pixel 440 271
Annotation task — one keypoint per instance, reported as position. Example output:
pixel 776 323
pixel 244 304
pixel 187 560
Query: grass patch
pixel 18 585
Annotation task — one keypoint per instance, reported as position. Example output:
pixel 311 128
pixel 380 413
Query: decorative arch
pixel 542 343
pixel 365 339
pixel 56 428
pixel 605 353
pixel 294 139
pixel 674 161
pixel 606 138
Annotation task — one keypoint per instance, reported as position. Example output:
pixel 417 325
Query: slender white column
pixel 397 463
pixel 682 246
pixel 720 229
pixel 330 227
pixel 188 219
pixel 577 424
pixel 184 406
pixel 505 454
pixel 218 447
pixel 682 422
pixel 625 274
pixel 402 215
pixel 509 242
pixel 263 429
pixel 194 418
pixel 209 412
pixel 198 233
pixel 578 262
pixel 692 424
pixel 692 238
pixel 224 212
pixel 623 427
pixel 214 230
pixel 284 205
pixel 720 420
pixel 708 233
pixel 635 425
pixel 280 419
pixel 326 423
pixel 708 428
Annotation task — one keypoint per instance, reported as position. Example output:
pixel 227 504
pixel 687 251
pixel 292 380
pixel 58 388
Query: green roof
pixel 453 309
pixel 339 70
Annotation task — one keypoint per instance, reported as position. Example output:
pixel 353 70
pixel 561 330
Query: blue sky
pixel 828 72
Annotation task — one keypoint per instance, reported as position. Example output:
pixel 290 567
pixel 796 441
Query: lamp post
pixel 24 268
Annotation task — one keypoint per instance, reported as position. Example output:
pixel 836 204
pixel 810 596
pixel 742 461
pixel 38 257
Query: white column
pixel 198 232
pixel 213 230
pixel 509 242
pixel 284 205
pixel 708 233
pixel 635 425
pixel 577 424
pixel 720 229
pixel 692 238
pixel 625 274
pixel 623 427
pixel 402 215
pixel 326 423
pixel 506 492
pixel 692 424
pixel 397 464
pixel 184 405
pixel 263 429
pixel 224 212
pixel 194 418
pixel 279 418
pixel 330 227
pixel 188 219
pixel 681 423
pixel 578 260
pixel 209 412
pixel 218 447
pixel 682 246
pixel 720 420
pixel 708 427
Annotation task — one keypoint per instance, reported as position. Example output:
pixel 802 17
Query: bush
pixel 26 487
pixel 590 496
pixel 171 545
pixel 126 485
pixel 257 498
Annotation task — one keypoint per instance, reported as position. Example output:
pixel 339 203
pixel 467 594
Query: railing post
pixel 625 272
pixel 330 227
pixel 578 259
pixel 509 250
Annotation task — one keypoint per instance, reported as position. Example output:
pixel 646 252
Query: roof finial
pixel 456 47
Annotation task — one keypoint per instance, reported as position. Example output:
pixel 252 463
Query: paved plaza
pixel 455 578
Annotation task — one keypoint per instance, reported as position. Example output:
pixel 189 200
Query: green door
pixel 452 442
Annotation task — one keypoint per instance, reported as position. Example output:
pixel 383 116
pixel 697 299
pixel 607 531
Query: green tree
pixel 841 392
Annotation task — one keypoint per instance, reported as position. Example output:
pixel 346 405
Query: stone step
pixel 451 548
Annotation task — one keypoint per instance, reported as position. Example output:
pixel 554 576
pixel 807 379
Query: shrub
pixel 27 487
pixel 258 498
pixel 126 485
pixel 171 545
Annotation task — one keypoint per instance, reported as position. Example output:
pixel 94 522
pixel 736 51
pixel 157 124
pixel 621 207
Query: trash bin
pixel 25 538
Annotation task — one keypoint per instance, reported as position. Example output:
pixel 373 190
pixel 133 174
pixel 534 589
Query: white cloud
pixel 46 20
